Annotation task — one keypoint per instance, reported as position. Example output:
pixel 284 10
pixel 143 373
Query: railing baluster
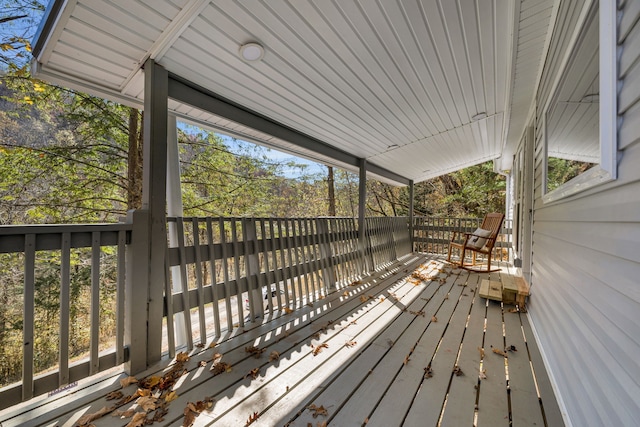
pixel 277 278
pixel 168 296
pixel 236 268
pixel 284 258
pixel 212 271
pixel 28 316
pixel 199 287
pixel 65 294
pixel 121 277
pixel 225 273
pixel 185 285
pixel 95 303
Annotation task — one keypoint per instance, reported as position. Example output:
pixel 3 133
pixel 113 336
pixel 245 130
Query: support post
pixel 411 196
pixel 362 203
pixel 174 209
pixel 252 265
pixel 154 193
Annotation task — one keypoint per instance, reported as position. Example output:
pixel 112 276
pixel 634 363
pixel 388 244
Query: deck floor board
pixel 377 380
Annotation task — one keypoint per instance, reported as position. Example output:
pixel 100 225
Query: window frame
pixel 606 170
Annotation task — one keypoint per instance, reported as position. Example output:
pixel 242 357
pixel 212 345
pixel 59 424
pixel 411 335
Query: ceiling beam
pixel 196 96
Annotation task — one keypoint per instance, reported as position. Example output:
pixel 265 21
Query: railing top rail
pixel 62 228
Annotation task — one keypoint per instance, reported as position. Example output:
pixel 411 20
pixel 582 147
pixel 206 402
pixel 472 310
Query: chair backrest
pixel 493 223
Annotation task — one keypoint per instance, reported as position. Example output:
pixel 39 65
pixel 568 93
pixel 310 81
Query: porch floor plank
pixel 380 336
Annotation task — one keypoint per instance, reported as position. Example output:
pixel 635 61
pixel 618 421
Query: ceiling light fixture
pixel 479 116
pixel 251 52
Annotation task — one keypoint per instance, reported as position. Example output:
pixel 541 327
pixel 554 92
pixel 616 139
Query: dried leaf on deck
pixel 498 351
pixel 255 351
pixel 287 310
pixel 418 313
pixel 512 348
pixel 253 373
pixel 213 344
pixel 128 381
pixel 310 304
pixel 345 294
pixel 428 372
pixel 364 298
pixel 274 355
pixel 252 418
pixel 483 374
pixel 318 410
pixel 200 345
pixel 406 359
pixel 150 382
pixel 171 396
pixel 124 414
pixel 219 368
pixel 114 395
pixel 88 418
pixel 457 371
pixel 481 351
pixel 147 403
pixel 138 420
pixel 434 319
pixel 381 299
pixel 356 283
pixel 350 343
pixel 317 349
pixel 182 357
pixel 202 363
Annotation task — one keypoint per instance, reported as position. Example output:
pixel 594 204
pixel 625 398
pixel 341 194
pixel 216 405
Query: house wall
pixel 585 304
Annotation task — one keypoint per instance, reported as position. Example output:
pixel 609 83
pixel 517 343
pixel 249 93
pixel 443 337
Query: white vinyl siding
pixel 585 304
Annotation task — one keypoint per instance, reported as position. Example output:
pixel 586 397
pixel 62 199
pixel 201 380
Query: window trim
pixel 606 170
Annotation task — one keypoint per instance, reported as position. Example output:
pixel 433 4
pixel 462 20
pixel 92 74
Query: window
pixel 580 117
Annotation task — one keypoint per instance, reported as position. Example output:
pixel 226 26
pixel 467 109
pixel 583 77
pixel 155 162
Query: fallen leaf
pixel 287 310
pixel 252 418
pixel 381 299
pixel 317 349
pixel 213 344
pixel 128 381
pixel 417 313
pixel 406 359
pixel 200 345
pixel 88 418
pixel 350 343
pixel 345 294
pixel 498 351
pixel 202 363
pixel 512 348
pixel 124 414
pixel 182 357
pixel 171 396
pixel 147 403
pixel 457 371
pixel 483 374
pixel 356 283
pixel 253 373
pixel 318 410
pixel 434 319
pixel 481 350
pixel 114 395
pixel 219 368
pixel 428 372
pixel 310 304
pixel 364 298
pixel 138 420
pixel 274 356
pixel 255 351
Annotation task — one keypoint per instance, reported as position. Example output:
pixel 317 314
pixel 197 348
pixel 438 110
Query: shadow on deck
pixel 411 345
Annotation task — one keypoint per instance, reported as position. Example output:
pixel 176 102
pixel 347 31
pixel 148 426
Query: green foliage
pixel 560 171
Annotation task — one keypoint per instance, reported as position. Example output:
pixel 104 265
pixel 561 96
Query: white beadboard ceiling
pixel 394 82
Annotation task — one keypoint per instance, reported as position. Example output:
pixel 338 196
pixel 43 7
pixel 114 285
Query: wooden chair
pixel 480 241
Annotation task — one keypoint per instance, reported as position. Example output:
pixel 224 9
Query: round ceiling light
pixel 251 52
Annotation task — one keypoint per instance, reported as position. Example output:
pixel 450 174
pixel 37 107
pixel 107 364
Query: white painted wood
pixel 355 75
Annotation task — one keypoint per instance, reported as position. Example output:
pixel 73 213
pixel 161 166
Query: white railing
pixel 228 271
pixel 54 265
pixel 218 270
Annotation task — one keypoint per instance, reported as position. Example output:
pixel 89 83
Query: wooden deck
pixel 404 347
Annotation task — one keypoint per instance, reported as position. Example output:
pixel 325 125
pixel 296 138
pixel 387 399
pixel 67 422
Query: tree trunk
pixel 134 174
pixel 332 192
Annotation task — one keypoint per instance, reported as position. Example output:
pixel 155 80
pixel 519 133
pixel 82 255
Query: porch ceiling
pixel 394 82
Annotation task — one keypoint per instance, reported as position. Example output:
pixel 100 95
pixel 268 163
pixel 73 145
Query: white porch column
pixel 362 201
pixel 174 209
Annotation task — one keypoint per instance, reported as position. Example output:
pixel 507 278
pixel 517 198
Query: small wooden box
pixel 523 291
pixel 491 289
pixel 509 291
